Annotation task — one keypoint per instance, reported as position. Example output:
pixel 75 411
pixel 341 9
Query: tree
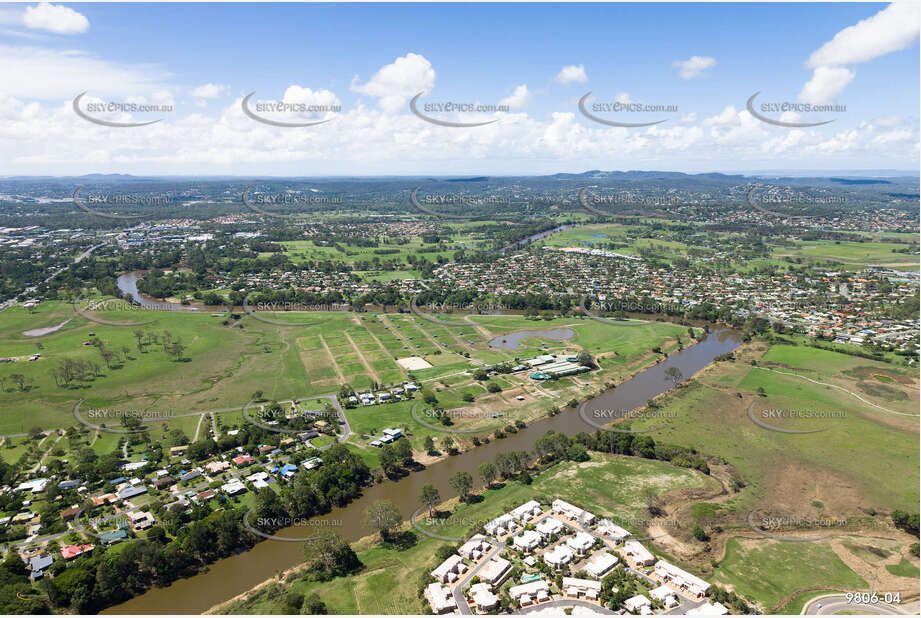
pixel 585 359
pixel 328 552
pixel 487 472
pixel 462 483
pixel 429 497
pixel 382 517
pixel 651 498
pixel 674 375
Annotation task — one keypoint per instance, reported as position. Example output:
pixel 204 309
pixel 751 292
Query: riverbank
pixel 228 577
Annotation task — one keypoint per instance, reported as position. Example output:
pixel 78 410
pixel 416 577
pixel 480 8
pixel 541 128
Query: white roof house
pixel 611 530
pixel 581 542
pixel 482 596
pixel 527 511
pixel 448 570
pixel 666 595
pixel 440 598
pixel 526 594
pixel 475 547
pixel 527 540
pixel 575 587
pixel 600 563
pixel 549 526
pixel 681 579
pixel 572 512
pixel 558 556
pixel 259 479
pixel 501 525
pixel 709 609
pixel 638 554
pixel 495 570
pixel 235 486
pixel 36 487
pixel 637 602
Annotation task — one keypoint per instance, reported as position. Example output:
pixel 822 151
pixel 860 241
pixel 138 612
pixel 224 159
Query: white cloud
pixel 694 66
pixel 892 29
pixel 40 73
pixel 572 73
pixel 518 99
pixel 55 18
pixel 826 84
pixel 394 84
pixel 623 98
pixel 209 91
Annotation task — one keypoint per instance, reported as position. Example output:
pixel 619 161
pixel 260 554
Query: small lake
pixel 512 341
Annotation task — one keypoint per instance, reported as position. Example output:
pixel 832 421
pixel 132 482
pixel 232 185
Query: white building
pixel 611 530
pixel 558 556
pixel 447 571
pixel 526 541
pixel 709 609
pixel 575 587
pixel 666 595
pixel 440 598
pixel 475 548
pixel 495 571
pixel 532 592
pixel 573 512
pixel 483 598
pixel 638 555
pixel 259 479
pixel 504 524
pixel 581 542
pixel 234 487
pixel 549 526
pixel 684 582
pixel 600 564
pixel 637 603
pixel 527 511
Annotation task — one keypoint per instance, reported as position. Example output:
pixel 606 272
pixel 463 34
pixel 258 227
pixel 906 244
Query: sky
pixel 527 65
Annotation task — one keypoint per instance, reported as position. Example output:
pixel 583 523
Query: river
pixel 231 576
pixel 128 284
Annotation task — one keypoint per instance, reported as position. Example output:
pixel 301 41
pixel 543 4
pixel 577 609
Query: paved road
pixel 563 603
pixel 834 604
pixel 459 587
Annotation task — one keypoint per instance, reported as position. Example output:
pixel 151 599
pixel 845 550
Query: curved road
pixel 835 604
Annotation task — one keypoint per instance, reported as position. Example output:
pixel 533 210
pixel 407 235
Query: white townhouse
pixel 448 571
pixel 600 563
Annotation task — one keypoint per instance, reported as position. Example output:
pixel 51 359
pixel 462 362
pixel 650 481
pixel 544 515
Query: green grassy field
pixel 769 570
pixel 388 582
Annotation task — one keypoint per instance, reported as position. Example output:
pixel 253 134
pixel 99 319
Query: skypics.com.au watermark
pixel 623 107
pixel 761 418
pixel 767 198
pixel 115 414
pixel 101 112
pixel 256 202
pixel 269 525
pixel 787 107
pixel 455 107
pixel 287 114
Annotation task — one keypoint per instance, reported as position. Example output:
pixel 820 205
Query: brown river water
pixel 231 576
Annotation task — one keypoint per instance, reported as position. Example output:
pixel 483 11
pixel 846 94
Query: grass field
pixel 754 568
pixel 864 460
pixel 388 582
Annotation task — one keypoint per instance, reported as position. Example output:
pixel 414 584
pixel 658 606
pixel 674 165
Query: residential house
pixel 528 540
pixel 638 603
pixel 475 548
pixel 558 556
pixel 572 512
pixel 600 563
pixel 504 524
pixel 527 511
pixel 482 597
pixel 709 609
pixel 440 598
pixel 666 595
pixel 680 580
pixel 549 526
pixel 69 552
pixel 447 571
pixel 530 593
pixel 637 555
pixel 141 520
pixel 495 571
pixel 611 530
pixel 581 542
pixel 577 588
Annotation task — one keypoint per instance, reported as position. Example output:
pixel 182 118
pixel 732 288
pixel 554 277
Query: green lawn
pixel 770 571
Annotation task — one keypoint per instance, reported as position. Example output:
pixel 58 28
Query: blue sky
pixel 369 59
